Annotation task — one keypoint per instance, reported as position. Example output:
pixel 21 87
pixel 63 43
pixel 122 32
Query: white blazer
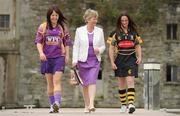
pixel 81 43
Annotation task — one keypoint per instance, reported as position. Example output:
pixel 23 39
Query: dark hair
pixel 61 19
pixel 131 26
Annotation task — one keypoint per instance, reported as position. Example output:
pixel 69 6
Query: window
pixel 172 31
pixel 171 73
pixel 4 21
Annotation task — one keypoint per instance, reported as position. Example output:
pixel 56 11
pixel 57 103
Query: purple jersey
pixel 51 41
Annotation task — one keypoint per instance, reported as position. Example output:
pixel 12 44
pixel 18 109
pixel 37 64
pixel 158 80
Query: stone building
pixel 20 80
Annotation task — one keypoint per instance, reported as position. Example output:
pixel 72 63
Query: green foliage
pixel 143 12
pixel 73 11
pixel 148 12
pixel 111 9
pixel 77 20
pixel 108 13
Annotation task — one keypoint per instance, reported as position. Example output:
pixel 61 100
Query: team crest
pixel 118 37
pixel 129 71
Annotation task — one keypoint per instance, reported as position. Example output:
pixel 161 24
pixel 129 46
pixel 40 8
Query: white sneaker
pixel 131 108
pixel 123 109
pixel 86 110
pixel 51 109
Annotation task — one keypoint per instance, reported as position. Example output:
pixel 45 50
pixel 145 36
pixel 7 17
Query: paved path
pixel 79 112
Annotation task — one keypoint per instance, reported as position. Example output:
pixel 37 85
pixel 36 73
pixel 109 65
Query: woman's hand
pixel 138 51
pixel 74 65
pixel 113 65
pixel 138 61
pixel 96 51
pixel 42 57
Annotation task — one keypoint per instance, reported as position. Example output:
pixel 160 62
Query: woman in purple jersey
pixel 88 47
pixel 52 36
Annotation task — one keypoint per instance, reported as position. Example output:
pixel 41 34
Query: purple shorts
pixel 52 65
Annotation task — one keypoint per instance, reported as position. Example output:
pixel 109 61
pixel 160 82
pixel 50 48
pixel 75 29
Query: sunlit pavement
pixel 79 112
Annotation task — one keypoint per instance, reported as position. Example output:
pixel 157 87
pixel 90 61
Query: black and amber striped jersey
pixel 124 42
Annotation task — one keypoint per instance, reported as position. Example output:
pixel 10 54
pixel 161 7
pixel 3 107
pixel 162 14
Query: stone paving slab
pixel 79 112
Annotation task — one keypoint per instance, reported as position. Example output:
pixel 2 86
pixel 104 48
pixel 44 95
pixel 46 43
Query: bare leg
pixel 57 81
pixel 86 96
pixel 50 86
pixel 122 83
pixel 50 90
pixel 130 81
pixel 92 93
pixel 57 90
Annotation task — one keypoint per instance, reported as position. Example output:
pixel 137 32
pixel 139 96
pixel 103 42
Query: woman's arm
pixel 66 54
pixel 111 56
pixel 41 53
pixel 39 43
pixel 75 48
pixel 66 43
pixel 63 49
pixel 102 48
pixel 138 54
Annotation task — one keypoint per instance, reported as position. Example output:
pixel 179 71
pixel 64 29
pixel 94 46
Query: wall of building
pixel 9 56
pixel 19 58
pixel 160 49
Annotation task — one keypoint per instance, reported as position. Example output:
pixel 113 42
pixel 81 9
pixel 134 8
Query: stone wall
pixel 31 85
pixel 160 49
pixel 9 56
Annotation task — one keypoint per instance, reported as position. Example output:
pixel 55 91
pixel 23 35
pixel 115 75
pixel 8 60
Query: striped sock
pixel 131 95
pixel 122 96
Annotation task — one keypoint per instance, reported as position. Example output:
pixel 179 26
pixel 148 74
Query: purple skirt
pixel 89 70
pixel 52 65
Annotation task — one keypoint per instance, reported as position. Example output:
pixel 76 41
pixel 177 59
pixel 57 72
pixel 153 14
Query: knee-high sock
pixel 122 96
pixel 57 97
pixel 131 95
pixel 51 99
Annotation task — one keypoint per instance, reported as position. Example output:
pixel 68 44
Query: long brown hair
pixel 131 26
pixel 61 20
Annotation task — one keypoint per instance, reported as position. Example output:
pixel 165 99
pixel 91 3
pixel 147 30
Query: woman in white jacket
pixel 87 49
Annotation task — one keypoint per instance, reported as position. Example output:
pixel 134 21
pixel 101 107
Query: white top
pixel 81 43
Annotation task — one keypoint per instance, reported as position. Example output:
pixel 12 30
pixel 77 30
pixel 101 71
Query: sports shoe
pixel 123 109
pixel 55 108
pixel 131 108
pixel 86 110
pixel 92 109
pixel 51 109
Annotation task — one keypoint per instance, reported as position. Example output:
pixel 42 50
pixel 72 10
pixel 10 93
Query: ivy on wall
pixel 148 12
pixel 144 12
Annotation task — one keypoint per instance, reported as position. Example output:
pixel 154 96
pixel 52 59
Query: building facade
pixel 21 83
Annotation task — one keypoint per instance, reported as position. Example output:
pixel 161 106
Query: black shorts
pixel 126 71
pixel 126 66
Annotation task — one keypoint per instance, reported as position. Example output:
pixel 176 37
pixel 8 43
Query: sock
pixel 57 97
pixel 122 96
pixel 131 95
pixel 51 99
